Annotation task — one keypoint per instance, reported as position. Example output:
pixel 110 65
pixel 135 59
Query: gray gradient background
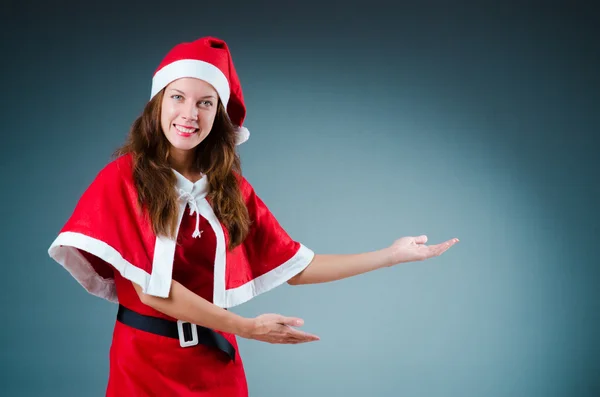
pixel 369 122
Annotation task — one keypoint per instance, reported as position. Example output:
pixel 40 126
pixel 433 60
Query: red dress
pixel 106 245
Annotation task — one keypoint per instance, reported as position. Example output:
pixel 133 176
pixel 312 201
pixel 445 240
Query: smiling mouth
pixel 185 131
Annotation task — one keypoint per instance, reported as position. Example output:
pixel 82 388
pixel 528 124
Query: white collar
pixel 198 189
pixel 190 193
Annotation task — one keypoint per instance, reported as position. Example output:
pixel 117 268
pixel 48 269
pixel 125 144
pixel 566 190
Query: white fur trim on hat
pixel 192 68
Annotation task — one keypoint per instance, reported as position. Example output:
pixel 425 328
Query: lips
pixel 185 130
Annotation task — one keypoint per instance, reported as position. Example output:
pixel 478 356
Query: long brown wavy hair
pixel 155 182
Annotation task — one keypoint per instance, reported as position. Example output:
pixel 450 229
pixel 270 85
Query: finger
pixel 421 239
pixel 449 243
pixel 292 341
pixel 291 321
pixel 310 338
pixel 296 341
pixel 301 340
pixel 296 333
pixel 283 340
pixel 439 249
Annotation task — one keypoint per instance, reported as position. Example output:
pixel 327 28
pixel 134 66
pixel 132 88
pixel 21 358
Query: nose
pixel 190 113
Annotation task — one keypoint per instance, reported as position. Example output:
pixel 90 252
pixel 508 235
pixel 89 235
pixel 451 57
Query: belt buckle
pixel 180 331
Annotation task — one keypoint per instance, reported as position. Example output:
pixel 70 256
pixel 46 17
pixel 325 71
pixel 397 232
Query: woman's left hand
pixel 411 249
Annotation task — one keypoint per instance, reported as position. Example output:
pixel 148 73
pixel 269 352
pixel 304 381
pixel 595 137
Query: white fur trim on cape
pixel 64 250
pixel 264 283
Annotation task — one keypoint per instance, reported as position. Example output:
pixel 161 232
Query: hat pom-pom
pixel 242 135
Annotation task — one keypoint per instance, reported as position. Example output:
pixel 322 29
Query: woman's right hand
pixel 275 328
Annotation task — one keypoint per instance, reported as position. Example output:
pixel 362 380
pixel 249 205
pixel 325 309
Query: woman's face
pixel 188 110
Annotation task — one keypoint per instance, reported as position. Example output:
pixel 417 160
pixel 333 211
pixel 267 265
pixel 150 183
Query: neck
pixel 183 162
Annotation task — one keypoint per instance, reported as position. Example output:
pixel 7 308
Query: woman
pixel 175 234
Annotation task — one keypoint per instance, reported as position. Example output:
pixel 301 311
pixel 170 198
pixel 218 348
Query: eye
pixel 206 103
pixel 176 97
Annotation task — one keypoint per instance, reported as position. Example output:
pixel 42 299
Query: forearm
pixel 185 305
pixel 326 268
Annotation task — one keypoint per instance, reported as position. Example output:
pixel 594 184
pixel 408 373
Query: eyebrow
pixel 183 93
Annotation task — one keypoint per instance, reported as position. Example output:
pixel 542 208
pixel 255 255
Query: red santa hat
pixel 208 59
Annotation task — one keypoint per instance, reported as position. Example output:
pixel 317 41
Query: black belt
pixel 188 334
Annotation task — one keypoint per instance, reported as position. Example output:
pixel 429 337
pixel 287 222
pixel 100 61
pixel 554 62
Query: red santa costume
pixel 108 243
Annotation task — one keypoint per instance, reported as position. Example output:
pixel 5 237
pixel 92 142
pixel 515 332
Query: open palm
pixel 410 249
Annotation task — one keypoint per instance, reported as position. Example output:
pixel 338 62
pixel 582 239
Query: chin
pixel 183 146
pixel 181 143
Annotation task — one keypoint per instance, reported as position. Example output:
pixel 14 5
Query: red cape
pixel 107 223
